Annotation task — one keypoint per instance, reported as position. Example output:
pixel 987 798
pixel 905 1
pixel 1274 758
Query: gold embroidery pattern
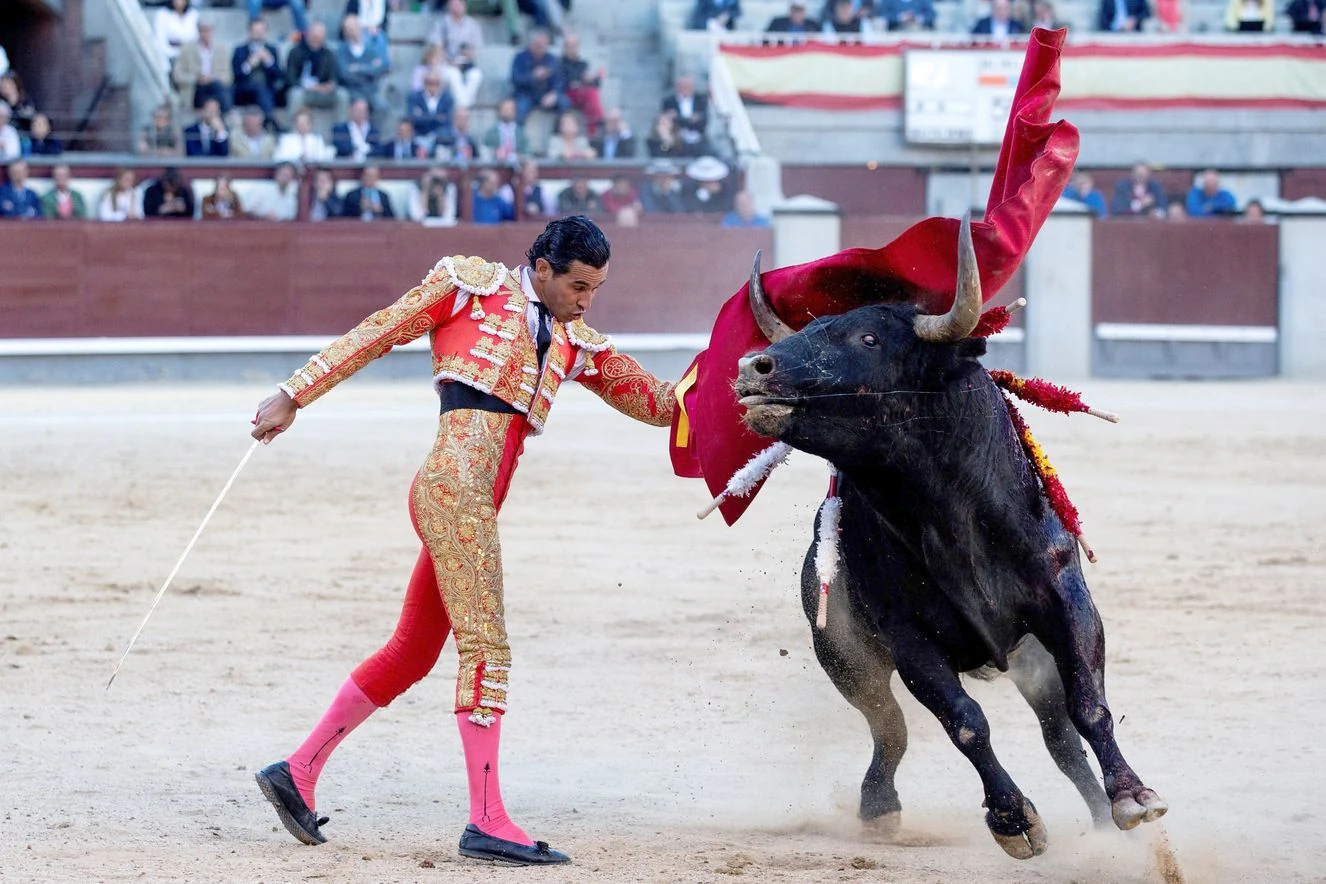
pixel 471 274
pixel 410 317
pixel 454 513
pixel 625 385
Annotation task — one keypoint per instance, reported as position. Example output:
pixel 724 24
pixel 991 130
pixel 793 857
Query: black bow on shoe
pixel 279 787
pixel 477 845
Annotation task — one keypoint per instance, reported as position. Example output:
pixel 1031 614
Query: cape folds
pixel 709 440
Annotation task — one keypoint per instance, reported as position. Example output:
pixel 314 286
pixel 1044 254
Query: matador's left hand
pixel 275 415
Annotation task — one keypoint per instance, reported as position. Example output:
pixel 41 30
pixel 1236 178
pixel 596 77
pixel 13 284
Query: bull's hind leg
pixel 1032 669
pixel 932 679
pixel 1078 645
pixel 862 671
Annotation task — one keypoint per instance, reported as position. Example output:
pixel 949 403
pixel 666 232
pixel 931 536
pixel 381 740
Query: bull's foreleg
pixel 1032 669
pixel 1078 645
pixel 861 670
pixel 933 680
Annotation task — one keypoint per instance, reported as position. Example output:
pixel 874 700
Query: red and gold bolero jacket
pixel 475 314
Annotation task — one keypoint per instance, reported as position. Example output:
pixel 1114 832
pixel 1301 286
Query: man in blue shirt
pixel 1208 198
pixel 536 79
pixel 1082 189
pixel 17 200
pixel 490 205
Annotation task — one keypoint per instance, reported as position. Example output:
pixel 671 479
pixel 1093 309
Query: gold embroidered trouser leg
pixel 454 513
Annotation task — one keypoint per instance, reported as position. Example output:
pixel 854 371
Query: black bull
pixel 952 559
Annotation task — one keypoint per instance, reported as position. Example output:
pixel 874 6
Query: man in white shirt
pixel 303 145
pixel 356 138
pixel 281 203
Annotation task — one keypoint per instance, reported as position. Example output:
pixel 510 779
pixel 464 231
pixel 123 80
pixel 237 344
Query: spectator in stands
pixel 743 212
pixel 62 202
pixel 432 61
pixel 41 143
pixel 536 79
pixel 1306 15
pixel 281 203
pixel 568 143
pixel 1175 212
pixel 404 146
pixel 455 29
pixel 298 12
pixel 159 138
pixel 491 206
pixel 368 202
pixel 615 141
pixel 202 70
pixel 17 200
pixel 505 139
pixel 663 194
pixel 1138 195
pixel 843 18
pixel 1254 213
pixel 906 15
pixel 664 140
pixel 999 24
pixel 362 59
pixel 507 9
pixel 691 113
pixel 120 201
pixel 429 110
pixel 357 138
pixel 222 204
pixel 303 145
pixel 795 22
pixel 535 199
pixel 706 189
pixel 433 199
pixel 372 14
pixel 1044 16
pixel 11 146
pixel 464 77
pixel 253 142
pixel 208 136
pixel 1208 198
pixel 176 26
pixel 325 205
pixel 257 74
pixel 169 197
pixel 1082 189
pixel 1123 16
pixel 455 142
pixel 621 197
pixel 312 72
pixel 21 108
pixel 578 199
pixel 715 15
pixel 1250 15
pixel 581 84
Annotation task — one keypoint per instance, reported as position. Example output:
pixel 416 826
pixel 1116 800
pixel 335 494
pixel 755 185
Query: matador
pixel 503 342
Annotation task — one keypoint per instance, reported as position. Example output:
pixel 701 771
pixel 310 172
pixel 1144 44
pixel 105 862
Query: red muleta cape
pixel 710 441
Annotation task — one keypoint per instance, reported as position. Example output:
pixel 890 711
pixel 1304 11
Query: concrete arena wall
pixel 256 278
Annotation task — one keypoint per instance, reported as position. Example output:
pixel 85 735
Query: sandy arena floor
pixel 669 721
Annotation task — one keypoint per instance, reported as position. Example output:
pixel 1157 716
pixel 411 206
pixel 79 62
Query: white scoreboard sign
pixel 958 96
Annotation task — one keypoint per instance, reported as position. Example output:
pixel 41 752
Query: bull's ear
pixel 970 348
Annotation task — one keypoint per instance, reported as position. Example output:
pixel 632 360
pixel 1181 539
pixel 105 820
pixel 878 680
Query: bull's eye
pixel 870 340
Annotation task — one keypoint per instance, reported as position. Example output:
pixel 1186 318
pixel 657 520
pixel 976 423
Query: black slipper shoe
pixel 279 787
pixel 476 845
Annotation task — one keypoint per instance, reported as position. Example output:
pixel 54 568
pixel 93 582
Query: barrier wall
pixel 255 278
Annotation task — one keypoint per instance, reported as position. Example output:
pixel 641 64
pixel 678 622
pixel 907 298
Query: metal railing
pixel 147 81
pixel 727 102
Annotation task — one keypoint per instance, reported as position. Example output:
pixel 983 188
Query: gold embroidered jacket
pixel 475 314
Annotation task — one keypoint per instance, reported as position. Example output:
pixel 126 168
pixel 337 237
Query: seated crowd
pixel 1141 195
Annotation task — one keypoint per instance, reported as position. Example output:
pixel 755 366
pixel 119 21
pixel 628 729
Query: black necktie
pixel 543 340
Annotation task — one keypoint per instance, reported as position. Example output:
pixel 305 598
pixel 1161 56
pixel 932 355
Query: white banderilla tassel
pixel 826 554
pixel 744 480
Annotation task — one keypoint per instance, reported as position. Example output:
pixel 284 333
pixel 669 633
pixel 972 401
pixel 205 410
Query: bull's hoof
pixel 1020 838
pixel 1130 809
pixel 884 827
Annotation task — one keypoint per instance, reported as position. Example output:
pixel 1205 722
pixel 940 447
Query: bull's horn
pixel 962 317
pixel 774 328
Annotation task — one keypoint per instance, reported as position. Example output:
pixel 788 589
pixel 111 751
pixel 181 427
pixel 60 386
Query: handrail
pixel 148 64
pixel 942 39
pixel 727 102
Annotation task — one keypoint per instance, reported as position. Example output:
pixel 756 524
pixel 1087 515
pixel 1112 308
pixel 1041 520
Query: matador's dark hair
pixel 574 238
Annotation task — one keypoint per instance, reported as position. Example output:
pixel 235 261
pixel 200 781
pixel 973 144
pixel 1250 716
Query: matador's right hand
pixel 275 415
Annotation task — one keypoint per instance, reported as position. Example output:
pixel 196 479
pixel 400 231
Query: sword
pixel 173 571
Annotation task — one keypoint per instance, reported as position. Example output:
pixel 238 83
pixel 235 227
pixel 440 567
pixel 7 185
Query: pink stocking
pixel 486 810
pixel 346 713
